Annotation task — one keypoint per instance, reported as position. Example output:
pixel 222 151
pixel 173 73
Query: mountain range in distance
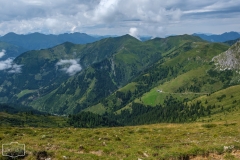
pixel 15 44
pixel 35 41
pixel 227 36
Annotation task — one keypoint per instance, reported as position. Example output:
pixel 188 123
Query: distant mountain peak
pixel 10 34
pixel 36 40
pixel 227 36
pixel 128 36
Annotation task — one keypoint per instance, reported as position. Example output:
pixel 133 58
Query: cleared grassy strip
pixel 24 92
pixel 98 109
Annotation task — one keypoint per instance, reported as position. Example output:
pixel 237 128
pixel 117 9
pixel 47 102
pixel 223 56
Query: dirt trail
pixel 184 93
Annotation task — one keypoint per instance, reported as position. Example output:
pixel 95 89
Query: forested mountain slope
pixel 167 86
pixel 114 74
pixel 103 78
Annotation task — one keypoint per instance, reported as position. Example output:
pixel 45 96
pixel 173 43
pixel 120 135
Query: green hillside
pixel 117 74
pixel 163 92
pixel 225 102
pixel 182 73
pixel 126 59
pixel 40 75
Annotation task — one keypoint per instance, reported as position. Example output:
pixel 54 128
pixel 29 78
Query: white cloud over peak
pixel 70 66
pixel 134 32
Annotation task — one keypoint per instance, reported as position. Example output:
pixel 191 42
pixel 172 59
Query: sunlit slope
pixel 182 73
pixel 224 104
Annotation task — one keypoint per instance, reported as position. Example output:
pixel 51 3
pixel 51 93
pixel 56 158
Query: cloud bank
pixel 10 66
pixel 2 53
pixel 70 66
pixel 150 17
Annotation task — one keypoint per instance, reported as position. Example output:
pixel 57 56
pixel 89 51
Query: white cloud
pixel 106 11
pixel 70 66
pixel 117 16
pixel 2 53
pixel 7 64
pixel 15 68
pixel 134 32
pixel 10 66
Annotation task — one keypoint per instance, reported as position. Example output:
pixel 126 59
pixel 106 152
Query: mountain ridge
pixel 227 36
pixel 35 41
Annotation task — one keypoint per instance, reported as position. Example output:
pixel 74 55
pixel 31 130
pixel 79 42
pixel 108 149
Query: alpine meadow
pixel 151 80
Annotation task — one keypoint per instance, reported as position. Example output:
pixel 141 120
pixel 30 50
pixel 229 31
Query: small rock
pixel 227 148
pixel 145 154
pixel 104 143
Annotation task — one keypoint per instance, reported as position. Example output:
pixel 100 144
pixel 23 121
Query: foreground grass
pixel 157 141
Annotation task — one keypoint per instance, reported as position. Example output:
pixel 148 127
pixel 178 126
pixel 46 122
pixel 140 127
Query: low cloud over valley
pixel 8 65
pixel 70 66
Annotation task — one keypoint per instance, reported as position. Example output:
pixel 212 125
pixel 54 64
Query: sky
pixel 156 18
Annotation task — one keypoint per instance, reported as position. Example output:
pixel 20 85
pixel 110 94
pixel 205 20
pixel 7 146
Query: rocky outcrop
pixel 229 59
